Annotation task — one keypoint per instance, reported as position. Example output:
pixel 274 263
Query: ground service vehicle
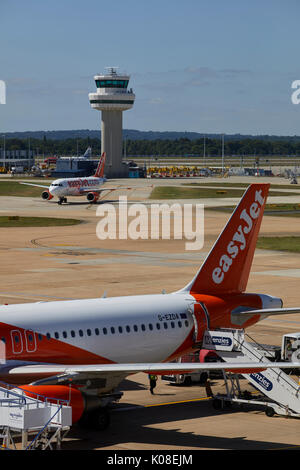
pixel 199 376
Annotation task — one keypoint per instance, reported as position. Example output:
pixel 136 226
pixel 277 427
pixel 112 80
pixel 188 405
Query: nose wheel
pixel 62 199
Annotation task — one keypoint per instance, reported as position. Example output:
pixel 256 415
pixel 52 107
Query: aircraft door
pixel 2 351
pixel 201 320
pixel 30 341
pixel 17 341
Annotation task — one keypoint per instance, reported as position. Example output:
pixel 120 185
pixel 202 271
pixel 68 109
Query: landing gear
pixel 98 420
pixel 101 419
pixel 62 199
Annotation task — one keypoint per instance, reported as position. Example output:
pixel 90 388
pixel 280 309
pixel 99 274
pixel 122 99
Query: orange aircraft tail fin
pixel 226 268
pixel 100 169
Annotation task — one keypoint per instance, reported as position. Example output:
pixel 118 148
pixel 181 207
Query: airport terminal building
pixel 16 158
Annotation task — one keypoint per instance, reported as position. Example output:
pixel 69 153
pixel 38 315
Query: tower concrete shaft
pixel 112 98
pixel 111 143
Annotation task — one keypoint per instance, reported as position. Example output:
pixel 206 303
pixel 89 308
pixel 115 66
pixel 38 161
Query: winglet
pixel 227 266
pixel 100 169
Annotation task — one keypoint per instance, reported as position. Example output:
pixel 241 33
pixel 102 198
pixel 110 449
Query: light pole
pixel 4 153
pixel 223 154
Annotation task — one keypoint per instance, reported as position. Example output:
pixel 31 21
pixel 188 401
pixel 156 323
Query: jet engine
pixel 86 409
pixel 92 197
pixel 46 196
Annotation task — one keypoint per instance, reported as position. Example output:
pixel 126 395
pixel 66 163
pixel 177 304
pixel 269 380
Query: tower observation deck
pixel 112 98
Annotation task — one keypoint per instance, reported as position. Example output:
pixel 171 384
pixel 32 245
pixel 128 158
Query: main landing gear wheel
pixel 98 420
pixel 101 420
pixel 62 199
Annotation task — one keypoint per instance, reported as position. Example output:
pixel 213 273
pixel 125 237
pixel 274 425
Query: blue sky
pixel 208 66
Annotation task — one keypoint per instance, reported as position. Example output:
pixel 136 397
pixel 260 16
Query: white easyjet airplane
pixel 82 349
pixel 90 186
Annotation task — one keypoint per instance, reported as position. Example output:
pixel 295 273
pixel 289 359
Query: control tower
pixel 112 98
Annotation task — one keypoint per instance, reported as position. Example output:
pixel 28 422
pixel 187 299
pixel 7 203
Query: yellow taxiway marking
pixel 176 402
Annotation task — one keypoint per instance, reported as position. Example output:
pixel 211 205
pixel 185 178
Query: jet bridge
pixel 280 393
pixel 40 422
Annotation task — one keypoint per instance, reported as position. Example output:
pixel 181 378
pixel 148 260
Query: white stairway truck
pixel 47 420
pixel 281 390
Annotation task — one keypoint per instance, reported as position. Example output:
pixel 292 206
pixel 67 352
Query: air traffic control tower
pixel 112 98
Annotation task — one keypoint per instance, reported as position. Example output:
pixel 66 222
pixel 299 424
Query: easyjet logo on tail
pixel 239 239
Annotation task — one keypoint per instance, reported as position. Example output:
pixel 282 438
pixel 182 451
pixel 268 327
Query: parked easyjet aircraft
pixel 90 186
pixel 85 348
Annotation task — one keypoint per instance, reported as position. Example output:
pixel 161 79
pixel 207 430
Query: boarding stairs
pixel 280 392
pixel 28 423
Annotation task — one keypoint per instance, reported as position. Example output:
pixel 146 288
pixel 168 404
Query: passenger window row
pixel 107 330
pixel 121 329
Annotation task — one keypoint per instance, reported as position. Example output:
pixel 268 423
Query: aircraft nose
pixel 53 190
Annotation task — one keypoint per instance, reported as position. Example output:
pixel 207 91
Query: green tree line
pixel 181 147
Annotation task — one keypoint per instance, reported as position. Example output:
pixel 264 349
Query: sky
pixel 207 66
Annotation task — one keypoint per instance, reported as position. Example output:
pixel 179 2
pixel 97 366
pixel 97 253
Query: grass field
pixel 284 210
pixel 13 188
pixel 175 192
pixel 291 244
pixel 16 221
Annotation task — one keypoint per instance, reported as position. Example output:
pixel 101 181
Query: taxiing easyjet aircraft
pixel 83 349
pixel 89 186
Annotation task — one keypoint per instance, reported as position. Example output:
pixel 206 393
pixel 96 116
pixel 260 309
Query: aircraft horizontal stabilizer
pixel 266 312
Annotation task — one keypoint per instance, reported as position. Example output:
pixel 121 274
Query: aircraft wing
pixel 117 188
pixel 266 312
pixel 57 373
pixel 89 190
pixel 33 184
